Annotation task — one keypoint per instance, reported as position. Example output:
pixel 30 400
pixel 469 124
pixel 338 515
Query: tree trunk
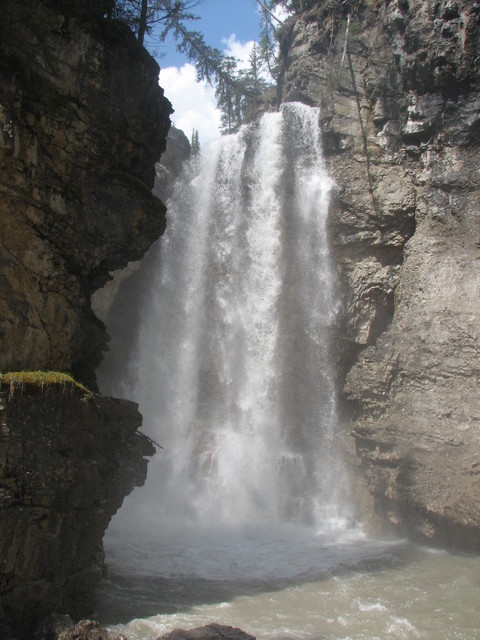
pixel 142 26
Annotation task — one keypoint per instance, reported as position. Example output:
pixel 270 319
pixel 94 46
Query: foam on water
pixel 375 591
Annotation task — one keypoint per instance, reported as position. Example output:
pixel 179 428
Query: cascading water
pixel 243 518
pixel 233 372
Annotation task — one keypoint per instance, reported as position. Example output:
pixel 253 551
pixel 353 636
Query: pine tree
pixel 195 142
pixel 269 24
pixel 143 15
pixel 252 85
pixel 210 63
pixel 238 93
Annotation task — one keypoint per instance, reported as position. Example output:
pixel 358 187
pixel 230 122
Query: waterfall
pixel 231 363
pixel 243 517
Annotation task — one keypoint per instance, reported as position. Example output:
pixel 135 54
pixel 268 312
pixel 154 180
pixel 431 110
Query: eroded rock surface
pixel 69 458
pixel 169 167
pixel 82 123
pixel 400 101
pixel 212 631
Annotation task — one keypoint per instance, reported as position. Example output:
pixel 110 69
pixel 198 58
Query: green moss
pixel 40 379
pixel 356 27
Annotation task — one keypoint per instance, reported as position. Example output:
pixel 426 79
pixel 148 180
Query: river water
pixel 289 584
pixel 246 517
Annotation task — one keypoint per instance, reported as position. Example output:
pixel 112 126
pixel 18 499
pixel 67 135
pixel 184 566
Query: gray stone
pixel 405 227
pixel 82 130
pixel 68 460
pixel 212 631
pixel 82 123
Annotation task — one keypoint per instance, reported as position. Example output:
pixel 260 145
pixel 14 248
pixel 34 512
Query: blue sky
pixel 218 20
pixel 229 25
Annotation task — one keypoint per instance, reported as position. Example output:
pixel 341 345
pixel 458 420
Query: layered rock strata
pixel 68 459
pixel 82 123
pixel 398 85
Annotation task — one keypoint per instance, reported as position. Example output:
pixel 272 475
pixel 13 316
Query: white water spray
pixel 232 367
pixel 239 519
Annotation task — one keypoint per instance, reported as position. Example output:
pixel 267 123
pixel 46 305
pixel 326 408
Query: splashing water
pixel 233 372
pixel 244 518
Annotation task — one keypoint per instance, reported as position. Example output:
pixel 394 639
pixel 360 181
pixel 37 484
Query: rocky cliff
pixel 82 123
pixel 69 458
pixel 398 84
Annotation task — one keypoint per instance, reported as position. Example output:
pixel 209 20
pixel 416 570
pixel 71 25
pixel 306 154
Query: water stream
pixel 246 517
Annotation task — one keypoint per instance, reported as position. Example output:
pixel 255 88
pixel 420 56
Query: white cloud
pixel 239 50
pixel 194 102
pixel 281 13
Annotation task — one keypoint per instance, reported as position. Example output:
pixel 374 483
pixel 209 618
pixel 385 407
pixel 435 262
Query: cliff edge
pixel 82 123
pixel 398 83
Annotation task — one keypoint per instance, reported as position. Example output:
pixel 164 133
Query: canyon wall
pixel 69 457
pixel 398 84
pixel 82 123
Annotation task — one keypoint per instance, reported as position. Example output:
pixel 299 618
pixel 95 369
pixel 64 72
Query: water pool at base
pixel 291 584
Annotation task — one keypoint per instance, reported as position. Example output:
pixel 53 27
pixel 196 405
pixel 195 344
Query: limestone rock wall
pixel 82 123
pixel 398 85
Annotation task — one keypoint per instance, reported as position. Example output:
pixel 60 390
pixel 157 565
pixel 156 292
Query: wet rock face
pixel 69 458
pixel 212 631
pixel 400 122
pixel 82 123
pixel 177 152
